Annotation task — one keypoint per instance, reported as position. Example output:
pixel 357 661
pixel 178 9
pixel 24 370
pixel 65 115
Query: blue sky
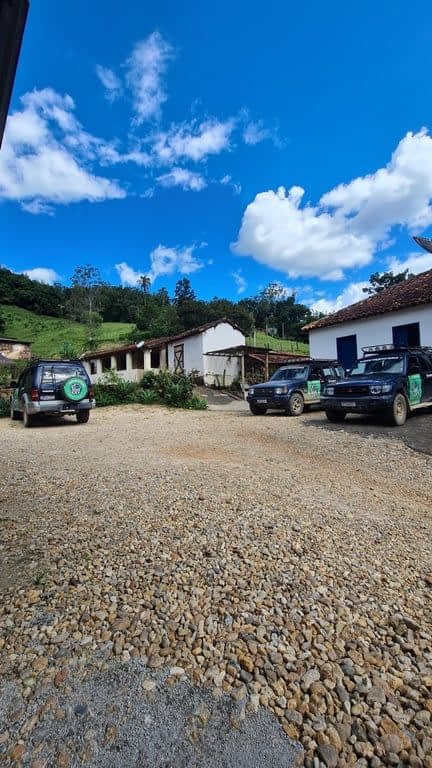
pixel 234 143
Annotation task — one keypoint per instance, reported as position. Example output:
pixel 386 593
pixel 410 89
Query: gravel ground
pixel 287 567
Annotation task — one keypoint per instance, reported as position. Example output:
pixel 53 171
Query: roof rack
pixel 372 350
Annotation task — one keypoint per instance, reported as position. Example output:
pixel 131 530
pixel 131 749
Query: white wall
pixel 193 353
pixel 222 336
pixel 371 330
pixel 221 371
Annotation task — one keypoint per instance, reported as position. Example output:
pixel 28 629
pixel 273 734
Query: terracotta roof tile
pixel 410 293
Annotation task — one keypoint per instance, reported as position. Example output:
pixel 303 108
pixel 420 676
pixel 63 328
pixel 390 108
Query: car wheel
pixel 27 419
pixel 336 416
pixel 83 417
pixel 295 405
pixel 257 410
pixel 397 414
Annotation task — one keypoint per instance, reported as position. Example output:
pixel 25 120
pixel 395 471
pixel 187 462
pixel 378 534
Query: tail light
pixel 91 393
pixel 34 394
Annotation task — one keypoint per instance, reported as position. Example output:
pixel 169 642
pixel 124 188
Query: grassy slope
pixel 280 345
pixel 47 334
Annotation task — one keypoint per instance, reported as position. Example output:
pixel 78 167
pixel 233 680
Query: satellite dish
pixel 424 242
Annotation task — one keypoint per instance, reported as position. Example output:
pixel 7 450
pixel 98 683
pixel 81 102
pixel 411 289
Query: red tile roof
pixel 150 343
pixel 413 292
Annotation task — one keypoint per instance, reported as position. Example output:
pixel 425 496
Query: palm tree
pixel 144 283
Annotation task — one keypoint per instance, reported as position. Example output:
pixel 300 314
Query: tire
pixel 74 389
pixel 396 415
pixel 295 405
pixel 83 417
pixel 257 410
pixel 336 416
pixel 27 419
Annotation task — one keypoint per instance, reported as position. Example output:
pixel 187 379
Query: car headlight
pixel 250 391
pixel 376 390
pixel 386 388
pixel 281 390
pixel 329 391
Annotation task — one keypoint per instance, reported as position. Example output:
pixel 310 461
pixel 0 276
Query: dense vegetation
pixel 91 302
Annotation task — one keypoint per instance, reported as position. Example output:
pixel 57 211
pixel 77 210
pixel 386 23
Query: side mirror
pixel 13 384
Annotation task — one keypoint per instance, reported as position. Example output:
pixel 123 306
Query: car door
pixel 426 361
pixel 419 384
pixel 313 385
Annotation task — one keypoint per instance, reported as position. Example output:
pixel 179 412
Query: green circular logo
pixel 75 389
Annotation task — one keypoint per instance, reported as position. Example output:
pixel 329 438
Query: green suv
pixel 52 387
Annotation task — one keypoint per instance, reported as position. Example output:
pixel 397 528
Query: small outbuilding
pixel 400 315
pixel 13 350
pixel 185 352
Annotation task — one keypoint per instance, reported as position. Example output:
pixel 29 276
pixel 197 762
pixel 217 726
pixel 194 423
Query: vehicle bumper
pixel 45 407
pixel 357 404
pixel 277 401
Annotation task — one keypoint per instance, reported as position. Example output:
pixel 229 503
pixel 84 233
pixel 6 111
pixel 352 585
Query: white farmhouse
pixel 400 315
pixel 186 352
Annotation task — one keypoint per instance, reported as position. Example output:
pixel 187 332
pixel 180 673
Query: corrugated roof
pixel 413 292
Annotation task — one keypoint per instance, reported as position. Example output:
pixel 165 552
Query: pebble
pixel 306 598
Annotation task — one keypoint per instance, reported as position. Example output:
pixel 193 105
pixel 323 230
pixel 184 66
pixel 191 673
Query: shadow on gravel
pixel 130 717
pixel 416 432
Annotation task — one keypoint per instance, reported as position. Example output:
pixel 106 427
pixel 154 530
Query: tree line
pixel 91 301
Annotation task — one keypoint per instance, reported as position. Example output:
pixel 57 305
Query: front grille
pixel 352 389
pixel 264 392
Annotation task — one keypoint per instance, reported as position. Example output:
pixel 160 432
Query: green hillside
pixel 48 334
pixel 261 339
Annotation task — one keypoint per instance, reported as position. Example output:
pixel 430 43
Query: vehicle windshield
pixel 293 372
pixel 378 365
pixel 59 373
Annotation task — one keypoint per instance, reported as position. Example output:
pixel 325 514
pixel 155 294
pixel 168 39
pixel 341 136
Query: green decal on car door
pixel 313 389
pixel 414 389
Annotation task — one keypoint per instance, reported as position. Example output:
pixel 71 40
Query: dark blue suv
pixel 389 380
pixel 294 386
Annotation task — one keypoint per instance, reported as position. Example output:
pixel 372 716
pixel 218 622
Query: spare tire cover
pixel 74 389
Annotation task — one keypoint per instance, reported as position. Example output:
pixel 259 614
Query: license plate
pixel 348 403
pixel 262 400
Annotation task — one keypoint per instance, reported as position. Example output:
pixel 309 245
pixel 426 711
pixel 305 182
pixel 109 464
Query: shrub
pixel 147 397
pixel 196 403
pixel 148 380
pixel 4 408
pixel 113 390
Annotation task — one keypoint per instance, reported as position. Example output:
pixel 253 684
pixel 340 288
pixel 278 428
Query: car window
pixel 416 364
pixel 291 372
pixel 377 365
pixel 55 374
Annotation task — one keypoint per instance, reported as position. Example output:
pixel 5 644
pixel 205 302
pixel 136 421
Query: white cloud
pixel 42 275
pixel 227 181
pixel 277 232
pixel 144 72
pixel 350 295
pixel 349 224
pixel 181 177
pixel 255 132
pixel 46 154
pixel 38 207
pixel 167 261
pixel 163 261
pixel 110 81
pixel 240 281
pixel 415 263
pixel 127 275
pixel 193 141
